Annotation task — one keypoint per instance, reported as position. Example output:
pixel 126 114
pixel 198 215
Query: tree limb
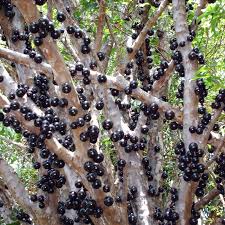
pixel 117 82
pixel 150 23
pixel 111 31
pixel 161 82
pixel 71 159
pixel 8 26
pixel 212 122
pixel 25 60
pixel 206 199
pixel 218 150
pixel 190 104
pixel 215 141
pixel 18 191
pixel 100 25
pixel 49 50
pixel 70 21
pixel 202 4
pixel 11 142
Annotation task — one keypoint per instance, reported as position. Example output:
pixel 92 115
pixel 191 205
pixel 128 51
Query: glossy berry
pixel 70 29
pixel 144 129
pixel 33 198
pixel 101 56
pixel 97 184
pixel 72 111
pixel 55 34
pixel 101 78
pixel 121 163
pixel 99 105
pixel 38 58
pixel 38 41
pixel 169 115
pixel 61 17
pixel 133 84
pixel 108 201
pixel 40 2
pixel 106 188
pixel 132 219
pixel 107 124
pixel 92 153
pixel 193 146
pixel 78 184
pixel 66 88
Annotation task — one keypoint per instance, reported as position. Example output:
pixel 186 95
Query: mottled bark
pixel 190 114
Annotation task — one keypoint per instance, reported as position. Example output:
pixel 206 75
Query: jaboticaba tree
pixel 112 112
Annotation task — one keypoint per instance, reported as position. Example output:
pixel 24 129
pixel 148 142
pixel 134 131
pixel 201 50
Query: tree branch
pixel 70 48
pixel 17 190
pixel 218 150
pixel 85 59
pixel 60 71
pixel 150 23
pixel 25 60
pixel 206 199
pixel 111 31
pixel 71 159
pixel 11 142
pixel 215 141
pixel 107 49
pixel 49 50
pixel 164 79
pixel 70 21
pixel 8 83
pixel 190 104
pixel 202 4
pixel 100 26
pixel 6 210
pixel 212 122
pixel 8 26
pixel 117 82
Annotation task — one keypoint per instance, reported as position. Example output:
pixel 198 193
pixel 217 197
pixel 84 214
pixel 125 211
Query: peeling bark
pixel 190 114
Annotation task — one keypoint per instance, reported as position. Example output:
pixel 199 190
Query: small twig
pixel 215 117
pixel 215 140
pixel 220 146
pixel 198 12
pixel 222 200
pixel 50 7
pixel 12 142
pixel 160 51
pixel 111 31
pixel 71 50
